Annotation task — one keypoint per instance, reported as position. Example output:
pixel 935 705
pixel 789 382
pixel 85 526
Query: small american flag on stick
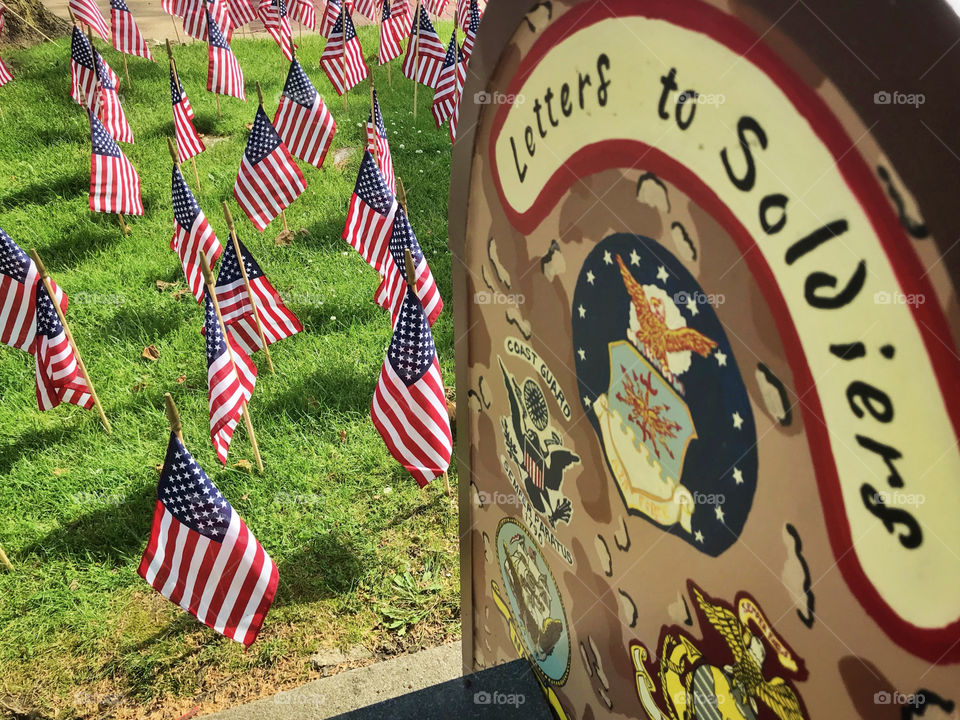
pixel 370 217
pixel 461 80
pixel 189 143
pixel 377 143
pixel 5 74
pixel 342 57
pixel 87 12
pixel 196 22
pixel 437 6
pixel 114 183
pixel 304 13
pixel 444 97
pixel 393 29
pixel 201 555
pixel 274 16
pixel 59 378
pixel 330 14
pixel 224 75
pixel 470 31
pixel 276 320
pixel 110 111
pixel 231 377
pixel 425 53
pixel 126 35
pixel 18 281
pixel 390 294
pixel 83 71
pixel 241 12
pixel 192 235
pixel 409 407
pixel 174 7
pixel 367 8
pixel 268 179
pixel 303 121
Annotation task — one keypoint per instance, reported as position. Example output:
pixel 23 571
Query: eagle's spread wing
pixel 641 305
pixel 780 698
pixel 688 339
pixel 725 623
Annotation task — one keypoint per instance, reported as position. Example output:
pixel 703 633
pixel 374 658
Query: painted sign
pixel 708 363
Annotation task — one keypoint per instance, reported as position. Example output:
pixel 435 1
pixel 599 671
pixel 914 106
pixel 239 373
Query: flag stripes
pixel 393 287
pixel 192 235
pixel 189 143
pixel 114 183
pixel 425 51
pixel 83 71
pixel 125 33
pixel 224 75
pixel 303 121
pixel 18 279
pixel 378 145
pixel 393 29
pixel 57 370
pixel 86 11
pixel 344 67
pixel 370 217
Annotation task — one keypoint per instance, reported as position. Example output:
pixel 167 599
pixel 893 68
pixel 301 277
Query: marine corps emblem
pixel 696 684
pixel 660 385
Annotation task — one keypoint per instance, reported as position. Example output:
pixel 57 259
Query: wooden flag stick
pixel 211 290
pixel 45 276
pixel 124 228
pixel 259 95
pixel 175 30
pixel 373 121
pixel 3 557
pixel 401 193
pixel 173 152
pixel 283 216
pixel 173 415
pixel 411 274
pixel 343 57
pixel 416 55
pixel 293 47
pixel 196 175
pixel 126 71
pixel 246 283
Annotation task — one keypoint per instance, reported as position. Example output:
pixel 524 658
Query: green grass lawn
pixel 364 556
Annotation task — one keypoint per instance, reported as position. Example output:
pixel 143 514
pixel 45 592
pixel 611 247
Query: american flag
pixel 330 14
pixel 409 407
pixel 533 467
pixel 18 279
pixel 304 13
pixel 114 183
pixel 275 318
pixel 231 377
pixel 201 555
pixel 367 8
pixel 393 29
pixel 274 16
pixel 241 12
pixel 58 371
pixel 196 22
pixel 378 146
pixel 392 289
pixel 461 80
pixel 5 74
pixel 110 110
pixel 470 32
pixel 126 35
pixel 437 6
pixel 86 11
pixel 192 235
pixel 303 121
pixel 425 51
pixel 189 143
pixel 444 97
pixel 83 71
pixel 268 179
pixel 370 217
pixel 174 7
pixel 224 75
pixel 337 62
pixel 463 14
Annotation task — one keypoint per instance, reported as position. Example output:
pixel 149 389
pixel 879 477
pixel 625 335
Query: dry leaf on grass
pixel 60 471
pixel 164 285
pixel 182 379
pixel 343 436
pixel 243 464
pixel 150 352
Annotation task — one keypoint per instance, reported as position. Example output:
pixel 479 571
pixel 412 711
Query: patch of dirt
pixel 22 20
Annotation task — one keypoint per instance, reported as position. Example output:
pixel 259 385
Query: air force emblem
pixel 661 387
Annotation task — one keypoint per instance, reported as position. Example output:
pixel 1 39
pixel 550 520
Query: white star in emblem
pixel 586 401
pixel 698 536
pixel 582 354
pixel 692 307
pixel 662 274
pixel 719 512
pixel 721 358
pixel 582 310
pixel 737 421
pixel 607 258
pixel 738 476
pixel 634 258
pixel 590 277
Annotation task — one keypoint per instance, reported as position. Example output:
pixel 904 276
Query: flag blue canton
pixel 103 74
pixel 176 89
pixel 344 17
pixel 185 207
pixel 230 268
pixel 453 50
pixel 412 350
pixel 80 49
pixel 378 117
pixel 119 5
pixel 48 322
pixel 426 27
pixel 14 262
pixel 103 144
pixel 371 187
pixel 190 496
pixel 216 36
pixel 281 7
pixel 298 86
pixel 402 239
pixel 263 138
pixel 386 11
pixel 474 17
pixel 215 342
